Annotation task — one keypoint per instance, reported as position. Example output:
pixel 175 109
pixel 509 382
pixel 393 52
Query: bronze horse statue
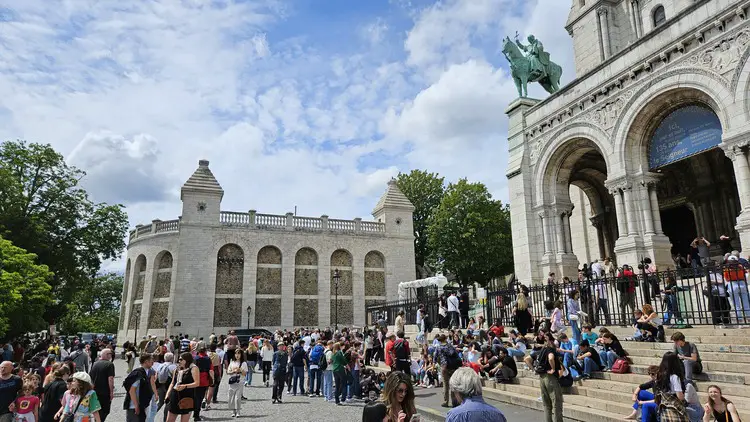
pixel 523 72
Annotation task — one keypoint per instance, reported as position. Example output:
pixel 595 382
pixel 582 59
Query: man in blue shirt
pixel 466 386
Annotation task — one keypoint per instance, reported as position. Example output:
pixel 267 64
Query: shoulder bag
pixel 72 417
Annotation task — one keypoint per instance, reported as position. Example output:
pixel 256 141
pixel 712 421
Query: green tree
pixel 95 307
pixel 25 290
pixel 44 210
pixel 470 234
pixel 424 190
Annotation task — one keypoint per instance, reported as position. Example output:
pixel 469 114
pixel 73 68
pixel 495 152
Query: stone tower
pixel 395 210
pixel 201 197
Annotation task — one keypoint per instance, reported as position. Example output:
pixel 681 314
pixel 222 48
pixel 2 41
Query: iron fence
pixel 716 295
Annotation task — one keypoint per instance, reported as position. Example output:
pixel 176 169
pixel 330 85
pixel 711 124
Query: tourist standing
pixel 103 377
pixel 236 370
pixel 205 374
pixel 447 357
pixel 10 386
pixel 266 354
pixel 53 394
pixel 181 391
pixel 453 304
pixel 328 372
pixel 338 366
pixel 280 360
pixel 574 309
pixel 82 402
pixel 466 385
pixel 400 322
pixel 317 357
pixel 549 369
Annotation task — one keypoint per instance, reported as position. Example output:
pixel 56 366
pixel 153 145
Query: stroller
pixel 369 386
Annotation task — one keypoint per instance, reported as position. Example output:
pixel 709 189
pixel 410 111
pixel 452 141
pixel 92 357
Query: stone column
pixel 742 175
pixel 560 234
pixel 708 220
pixel 630 211
pixel 604 28
pixel 648 216
pixel 634 18
pixel 546 233
pixel 568 234
pixel 655 210
pixel 622 224
pixel 599 222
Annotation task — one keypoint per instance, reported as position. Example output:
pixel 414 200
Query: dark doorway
pixel 679 226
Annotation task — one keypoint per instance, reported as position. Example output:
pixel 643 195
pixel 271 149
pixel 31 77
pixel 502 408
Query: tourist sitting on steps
pixel 688 353
pixel 588 358
pixel 719 407
pixel 644 399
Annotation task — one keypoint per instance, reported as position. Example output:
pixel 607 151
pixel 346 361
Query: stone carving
pixel 268 281
pixel 305 281
pixel 163 284
pixel 535 66
pixel 228 312
pixel 267 312
pixel 135 309
pixel 345 310
pixel 345 283
pixel 722 56
pixel 306 312
pixel 374 283
pixel 159 311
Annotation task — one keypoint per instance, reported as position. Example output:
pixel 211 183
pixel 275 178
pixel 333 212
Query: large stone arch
pixel 343 261
pixel 306 287
pixel 230 269
pixel 268 287
pixel 161 287
pixel 139 277
pixel 375 275
pixel 650 104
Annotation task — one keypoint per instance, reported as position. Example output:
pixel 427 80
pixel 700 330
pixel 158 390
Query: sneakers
pixel 274 401
pixel 311 396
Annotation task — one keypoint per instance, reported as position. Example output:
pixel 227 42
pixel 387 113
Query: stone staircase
pixel 606 397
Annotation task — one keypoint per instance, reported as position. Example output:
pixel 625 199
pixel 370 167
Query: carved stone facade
pixel 212 270
pixel 595 134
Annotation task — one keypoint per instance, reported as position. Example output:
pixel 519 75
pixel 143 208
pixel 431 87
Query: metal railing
pixel 716 295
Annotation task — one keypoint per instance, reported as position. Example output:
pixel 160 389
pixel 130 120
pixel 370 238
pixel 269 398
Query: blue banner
pixel 683 133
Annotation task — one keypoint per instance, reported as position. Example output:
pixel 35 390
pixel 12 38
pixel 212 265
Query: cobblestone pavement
pixel 257 406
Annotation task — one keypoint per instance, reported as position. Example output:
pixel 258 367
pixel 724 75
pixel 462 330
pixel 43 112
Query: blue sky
pixel 314 103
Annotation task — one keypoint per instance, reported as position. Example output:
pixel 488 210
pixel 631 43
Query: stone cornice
pixel 625 80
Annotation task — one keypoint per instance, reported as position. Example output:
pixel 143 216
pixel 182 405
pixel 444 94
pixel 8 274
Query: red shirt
pixel 26 404
pixel 388 348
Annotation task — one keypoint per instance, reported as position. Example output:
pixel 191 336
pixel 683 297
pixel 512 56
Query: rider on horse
pixel 538 58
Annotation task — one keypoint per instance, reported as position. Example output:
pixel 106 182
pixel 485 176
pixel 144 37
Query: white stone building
pixel 654 132
pixel 212 270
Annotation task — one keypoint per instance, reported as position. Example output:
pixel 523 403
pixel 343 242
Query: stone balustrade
pixel 253 220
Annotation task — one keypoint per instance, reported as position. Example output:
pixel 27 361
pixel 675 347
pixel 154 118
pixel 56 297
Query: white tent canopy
pixel 439 280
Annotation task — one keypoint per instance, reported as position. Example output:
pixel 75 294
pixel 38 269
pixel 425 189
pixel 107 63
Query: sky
pixel 307 103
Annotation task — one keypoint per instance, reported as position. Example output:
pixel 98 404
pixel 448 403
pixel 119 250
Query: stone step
pixel 570 410
pixel 706 331
pixel 724 346
pixel 706 356
pixel 708 366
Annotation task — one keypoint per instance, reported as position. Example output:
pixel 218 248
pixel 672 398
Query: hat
pixel 732 258
pixel 82 376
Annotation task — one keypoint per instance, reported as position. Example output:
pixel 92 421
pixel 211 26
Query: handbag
pixel 72 417
pixel 185 403
pixel 621 366
pixel 234 379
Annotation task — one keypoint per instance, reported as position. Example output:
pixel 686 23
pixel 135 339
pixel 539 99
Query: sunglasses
pixel 401 391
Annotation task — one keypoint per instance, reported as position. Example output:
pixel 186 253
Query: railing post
pixel 324 222
pixel 290 221
pixel 153 225
pixel 137 229
pixel 251 214
pixel 358 224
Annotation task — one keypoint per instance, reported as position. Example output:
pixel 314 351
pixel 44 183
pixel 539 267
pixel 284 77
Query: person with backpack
pixel 139 391
pixel 164 379
pixel 317 364
pixel 81 359
pixel 626 283
pixel 401 354
pixel 447 357
pixel 550 368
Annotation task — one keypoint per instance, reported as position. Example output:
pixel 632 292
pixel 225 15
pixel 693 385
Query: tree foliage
pixel 425 191
pixel 44 210
pixel 25 292
pixel 95 307
pixel 470 234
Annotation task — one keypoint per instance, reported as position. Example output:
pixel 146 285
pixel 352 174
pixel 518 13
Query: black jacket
pixel 299 357
pixel 145 393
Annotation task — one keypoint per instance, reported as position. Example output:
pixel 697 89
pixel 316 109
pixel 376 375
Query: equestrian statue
pixel 534 66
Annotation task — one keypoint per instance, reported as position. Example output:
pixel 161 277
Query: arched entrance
pixel 577 214
pixel 677 160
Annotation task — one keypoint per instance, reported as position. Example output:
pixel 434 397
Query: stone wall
pixel 124 301
pixel 159 311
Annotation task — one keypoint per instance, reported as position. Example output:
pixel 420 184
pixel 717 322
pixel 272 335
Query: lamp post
pixel 336 278
pixel 137 321
pixel 249 310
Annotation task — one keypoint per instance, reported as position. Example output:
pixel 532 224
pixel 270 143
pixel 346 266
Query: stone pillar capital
pixel 602 10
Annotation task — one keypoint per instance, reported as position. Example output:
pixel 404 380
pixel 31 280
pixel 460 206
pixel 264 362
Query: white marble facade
pixel 636 62
pixel 207 267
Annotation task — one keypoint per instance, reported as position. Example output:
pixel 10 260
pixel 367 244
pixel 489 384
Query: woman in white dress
pixel 236 372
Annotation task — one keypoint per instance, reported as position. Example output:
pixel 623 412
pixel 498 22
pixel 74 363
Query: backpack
pixel 541 364
pixel 323 362
pixel 452 360
pixel 621 366
pixel 164 374
pixel 399 350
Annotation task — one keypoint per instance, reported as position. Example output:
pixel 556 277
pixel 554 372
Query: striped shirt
pixel 184 345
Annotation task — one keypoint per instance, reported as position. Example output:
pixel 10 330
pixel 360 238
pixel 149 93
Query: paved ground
pixel 299 409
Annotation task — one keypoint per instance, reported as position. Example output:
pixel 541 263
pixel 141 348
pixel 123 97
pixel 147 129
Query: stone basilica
pixel 212 270
pixel 646 149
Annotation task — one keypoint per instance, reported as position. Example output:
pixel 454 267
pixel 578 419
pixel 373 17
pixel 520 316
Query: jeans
pixel 516 353
pixel 267 364
pixel 627 300
pixel 695 412
pixel 552 397
pixel 353 385
pixel 602 306
pixel 299 374
pixel 340 378
pixel 740 300
pixel 689 365
pixel 608 358
pixel 576 331
pixel 648 410
pixel 454 319
pixel 672 309
pixel 589 365
pixel 316 375
pixel 249 376
pixel 328 385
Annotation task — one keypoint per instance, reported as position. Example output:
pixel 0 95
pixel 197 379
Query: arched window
pixel 659 16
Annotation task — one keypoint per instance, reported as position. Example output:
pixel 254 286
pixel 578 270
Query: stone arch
pixel 160 288
pixel 741 80
pixel 704 86
pixel 342 260
pixel 658 16
pixel 124 300
pixel 268 287
pixel 230 266
pixel 375 274
pixel 550 158
pixel 306 287
pixel 139 276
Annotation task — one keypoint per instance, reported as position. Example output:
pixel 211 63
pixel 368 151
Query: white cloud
pixel 375 32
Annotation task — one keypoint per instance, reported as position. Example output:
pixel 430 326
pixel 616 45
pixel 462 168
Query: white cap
pixel 82 376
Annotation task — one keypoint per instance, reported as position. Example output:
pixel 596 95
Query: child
pixel 588 334
pixel 27 406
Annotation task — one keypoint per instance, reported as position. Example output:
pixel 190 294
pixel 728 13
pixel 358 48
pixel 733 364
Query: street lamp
pixel 336 278
pixel 137 321
pixel 249 310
